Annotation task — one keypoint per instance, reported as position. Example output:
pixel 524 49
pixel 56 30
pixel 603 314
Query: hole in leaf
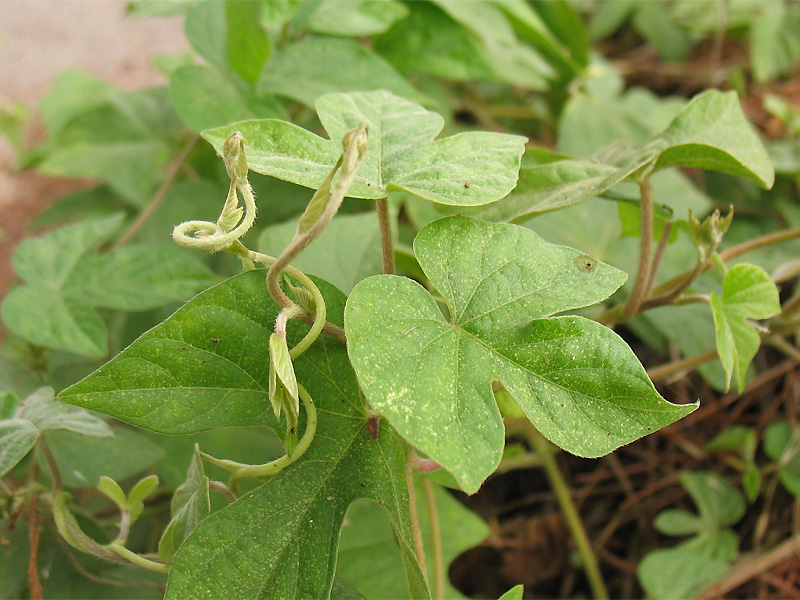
pixel 585 263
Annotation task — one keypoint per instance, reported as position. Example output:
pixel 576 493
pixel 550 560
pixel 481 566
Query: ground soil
pixel 39 39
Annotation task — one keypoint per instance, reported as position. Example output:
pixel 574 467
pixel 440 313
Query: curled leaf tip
pixel 234 157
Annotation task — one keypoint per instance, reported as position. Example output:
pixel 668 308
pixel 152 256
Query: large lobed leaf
pixel 466 169
pixel 204 368
pixel 576 380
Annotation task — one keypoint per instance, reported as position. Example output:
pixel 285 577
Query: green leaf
pixel 46 414
pixel 73 94
pixel 38 413
pixel 430 41
pixel 465 169
pixel 356 17
pixel 774 40
pixel 781 445
pixel 282 370
pixel 190 505
pixel 306 70
pixel 206 31
pixel 677 522
pixel 735 437
pixel 143 489
pixel 282 536
pixel 432 378
pixel 124 140
pixel 347 251
pixel 111 489
pixel 205 98
pixel 678 573
pixel 629 120
pixel 368 553
pixel 718 501
pixel 17 437
pixel 137 278
pixel 515 593
pixel 778 443
pixel 14 558
pixel 66 282
pixel 712 133
pixel 248 46
pixel 748 292
pixel 558 184
pixel 8 405
pixel 512 61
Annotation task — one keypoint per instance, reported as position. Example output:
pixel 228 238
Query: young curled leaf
pixel 234 157
pixel 111 489
pixel 190 505
pixel 143 489
pixel 283 392
pixel 707 235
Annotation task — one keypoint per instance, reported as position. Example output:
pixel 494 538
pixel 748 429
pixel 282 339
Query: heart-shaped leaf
pixel 748 292
pixel 711 132
pixel 204 368
pixel 466 169
pixel 576 380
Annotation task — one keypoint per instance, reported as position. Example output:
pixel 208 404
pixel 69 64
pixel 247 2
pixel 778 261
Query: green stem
pixel 138 559
pixel 643 274
pixel 124 527
pixel 316 319
pixel 55 472
pixel 730 254
pixel 559 485
pixel 223 489
pixel 436 540
pixel 270 469
pixel 387 250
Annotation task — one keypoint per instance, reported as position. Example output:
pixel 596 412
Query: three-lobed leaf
pixel 748 292
pixel 466 169
pixel 576 380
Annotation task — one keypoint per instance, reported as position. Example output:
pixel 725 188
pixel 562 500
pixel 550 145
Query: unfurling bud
pixel 708 235
pixel 234 158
